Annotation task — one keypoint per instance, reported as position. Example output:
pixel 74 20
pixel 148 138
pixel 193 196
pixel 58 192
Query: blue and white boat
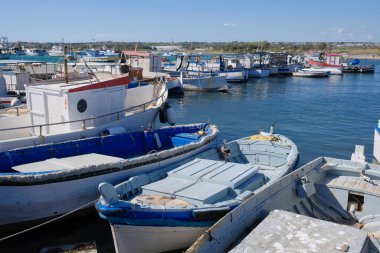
pixel 168 209
pixel 48 180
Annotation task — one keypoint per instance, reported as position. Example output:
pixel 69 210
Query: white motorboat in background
pixel 311 74
pixel 331 71
pixel 56 51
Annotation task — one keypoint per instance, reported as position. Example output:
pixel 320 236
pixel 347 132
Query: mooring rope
pixel 47 222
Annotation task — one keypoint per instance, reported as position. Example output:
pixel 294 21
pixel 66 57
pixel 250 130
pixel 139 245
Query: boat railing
pixel 145 106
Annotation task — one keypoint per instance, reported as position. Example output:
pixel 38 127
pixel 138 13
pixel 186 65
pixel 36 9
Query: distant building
pixel 203 49
pixel 166 48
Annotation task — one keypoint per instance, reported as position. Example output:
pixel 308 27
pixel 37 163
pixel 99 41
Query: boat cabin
pixel 334 59
pixel 67 105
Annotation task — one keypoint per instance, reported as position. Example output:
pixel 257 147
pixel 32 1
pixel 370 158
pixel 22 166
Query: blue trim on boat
pixel 136 216
pixel 128 145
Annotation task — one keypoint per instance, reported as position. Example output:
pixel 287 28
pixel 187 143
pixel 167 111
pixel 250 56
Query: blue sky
pixel 191 20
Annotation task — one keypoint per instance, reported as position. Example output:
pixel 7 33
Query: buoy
pixel 162 113
pixel 167 114
pixel 170 115
pixel 115 130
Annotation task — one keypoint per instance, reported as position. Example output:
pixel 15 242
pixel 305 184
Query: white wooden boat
pixel 156 213
pixel 336 206
pixel 311 74
pixel 331 71
pixel 48 180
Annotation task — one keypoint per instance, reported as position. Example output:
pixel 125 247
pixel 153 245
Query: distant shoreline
pixel 364 56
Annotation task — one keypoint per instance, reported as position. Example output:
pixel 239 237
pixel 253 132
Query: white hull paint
pixel 28 203
pixel 209 83
pixel 332 71
pixel 153 239
pixel 235 76
pixel 376 145
pixel 173 84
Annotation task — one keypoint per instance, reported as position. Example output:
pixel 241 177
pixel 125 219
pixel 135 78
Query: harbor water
pixel 324 117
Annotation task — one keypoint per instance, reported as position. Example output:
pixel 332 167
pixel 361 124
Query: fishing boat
pixel 201 81
pixel 81 108
pixel 48 180
pixel 94 55
pixel 311 74
pixel 35 52
pixel 167 210
pixel 255 65
pixel 56 51
pixel 332 205
pixel 231 68
pixel 4 56
pixel 331 71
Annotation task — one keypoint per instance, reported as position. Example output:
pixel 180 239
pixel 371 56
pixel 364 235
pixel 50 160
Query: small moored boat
pixel 312 74
pixel 328 205
pixel 49 180
pixel 168 209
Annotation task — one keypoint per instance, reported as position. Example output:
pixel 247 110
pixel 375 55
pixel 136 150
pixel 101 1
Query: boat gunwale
pixel 15 179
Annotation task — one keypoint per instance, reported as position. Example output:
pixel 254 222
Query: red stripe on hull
pixel 110 83
pixel 323 64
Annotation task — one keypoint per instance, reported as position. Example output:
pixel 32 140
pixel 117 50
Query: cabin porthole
pixel 82 105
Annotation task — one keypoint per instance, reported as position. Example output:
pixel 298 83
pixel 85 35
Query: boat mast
pixel 65 62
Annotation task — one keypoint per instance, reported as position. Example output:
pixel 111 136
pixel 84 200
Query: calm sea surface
pixel 324 117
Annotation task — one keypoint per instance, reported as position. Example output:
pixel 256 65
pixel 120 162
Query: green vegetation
pixel 227 47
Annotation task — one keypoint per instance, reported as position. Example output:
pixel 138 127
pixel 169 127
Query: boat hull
pixel 21 203
pixel 235 76
pixel 10 140
pixel 258 73
pixel 153 239
pixel 359 69
pixel 311 74
pixel 210 83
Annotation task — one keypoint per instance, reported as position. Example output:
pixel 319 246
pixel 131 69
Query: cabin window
pixel 82 105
